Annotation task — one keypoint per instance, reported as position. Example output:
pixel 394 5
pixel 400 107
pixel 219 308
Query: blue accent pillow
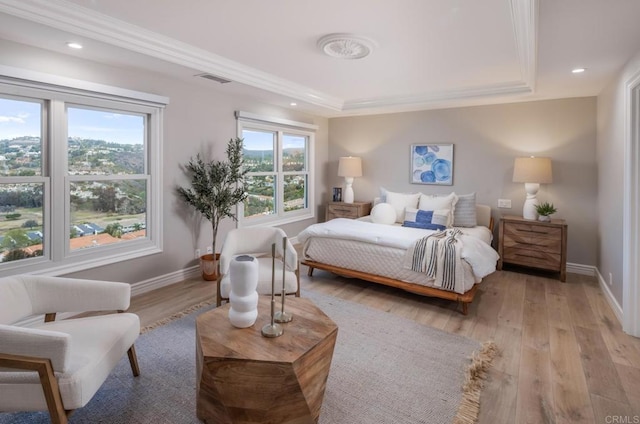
pixel 424 225
pixel 417 218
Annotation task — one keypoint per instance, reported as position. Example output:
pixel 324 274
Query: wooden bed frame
pixel 463 299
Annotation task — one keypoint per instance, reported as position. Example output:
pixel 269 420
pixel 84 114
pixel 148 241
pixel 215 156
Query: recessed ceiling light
pixel 293 104
pixel 578 70
pixel 74 45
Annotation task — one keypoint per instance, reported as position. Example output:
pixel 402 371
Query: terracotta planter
pixel 209 266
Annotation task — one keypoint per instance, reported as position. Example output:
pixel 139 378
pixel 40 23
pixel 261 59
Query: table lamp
pixel 531 171
pixel 349 167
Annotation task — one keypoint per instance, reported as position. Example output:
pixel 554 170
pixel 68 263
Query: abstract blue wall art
pixel 432 164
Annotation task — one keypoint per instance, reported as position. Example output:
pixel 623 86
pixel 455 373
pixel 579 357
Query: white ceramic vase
pixel 243 299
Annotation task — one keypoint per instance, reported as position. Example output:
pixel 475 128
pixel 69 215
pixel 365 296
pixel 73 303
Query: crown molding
pixel 79 20
pixel 70 17
pixel 524 15
pixel 430 99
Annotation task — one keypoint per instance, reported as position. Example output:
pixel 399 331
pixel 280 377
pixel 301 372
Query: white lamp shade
pixel 532 170
pixel 350 167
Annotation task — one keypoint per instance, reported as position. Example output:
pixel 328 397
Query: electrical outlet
pixel 610 279
pixel 197 253
pixel 504 203
pixel 209 250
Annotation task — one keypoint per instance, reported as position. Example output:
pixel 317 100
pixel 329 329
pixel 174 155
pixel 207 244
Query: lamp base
pixel 348 190
pixel 529 209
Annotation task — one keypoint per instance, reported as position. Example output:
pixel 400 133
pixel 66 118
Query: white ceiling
pixel 430 53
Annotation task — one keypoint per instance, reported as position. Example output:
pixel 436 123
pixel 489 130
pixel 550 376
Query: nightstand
pixel 534 244
pixel 347 210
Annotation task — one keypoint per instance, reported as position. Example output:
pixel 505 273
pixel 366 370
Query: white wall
pixel 198 119
pixel 486 140
pixel 610 150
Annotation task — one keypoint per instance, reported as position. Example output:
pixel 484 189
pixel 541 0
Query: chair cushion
pixel 264 279
pixel 97 344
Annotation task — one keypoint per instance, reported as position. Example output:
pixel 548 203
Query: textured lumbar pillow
pixel 383 213
pixel 465 213
pixel 427 220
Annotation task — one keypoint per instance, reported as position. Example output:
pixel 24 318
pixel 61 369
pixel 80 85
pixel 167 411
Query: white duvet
pixel 478 253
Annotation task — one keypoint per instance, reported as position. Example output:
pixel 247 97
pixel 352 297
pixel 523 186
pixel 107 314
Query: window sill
pixel 274 222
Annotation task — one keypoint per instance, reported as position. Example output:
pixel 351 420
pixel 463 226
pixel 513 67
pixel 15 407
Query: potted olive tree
pixel 216 188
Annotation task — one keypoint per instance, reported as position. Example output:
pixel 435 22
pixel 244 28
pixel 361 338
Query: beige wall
pixel 610 149
pixel 486 140
pixel 198 119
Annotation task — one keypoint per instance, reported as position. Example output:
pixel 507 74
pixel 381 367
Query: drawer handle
pixel 533 231
pixel 342 210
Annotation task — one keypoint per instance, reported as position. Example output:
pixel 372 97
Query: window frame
pixel 247 121
pixel 57 256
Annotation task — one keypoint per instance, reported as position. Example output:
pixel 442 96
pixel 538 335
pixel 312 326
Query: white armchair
pixel 257 241
pixel 59 365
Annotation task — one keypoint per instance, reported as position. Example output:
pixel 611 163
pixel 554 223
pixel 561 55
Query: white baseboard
pixel 136 289
pixel 615 306
pixel 164 280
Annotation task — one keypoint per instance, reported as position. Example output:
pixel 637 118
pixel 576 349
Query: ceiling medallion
pixel 346 46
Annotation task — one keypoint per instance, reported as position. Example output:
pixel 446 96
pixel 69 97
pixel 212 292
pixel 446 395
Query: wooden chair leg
pixel 465 308
pixel 298 280
pixel 310 271
pixel 218 293
pixel 48 382
pixel 133 361
pixel 52 394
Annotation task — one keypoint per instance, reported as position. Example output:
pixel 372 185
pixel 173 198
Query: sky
pixel 263 140
pixel 21 118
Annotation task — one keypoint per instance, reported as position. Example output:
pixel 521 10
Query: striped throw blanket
pixel 438 256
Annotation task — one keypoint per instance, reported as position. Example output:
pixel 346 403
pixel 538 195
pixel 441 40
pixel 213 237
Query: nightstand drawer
pixel 534 258
pixel 347 210
pixel 545 244
pixel 532 230
pixel 341 211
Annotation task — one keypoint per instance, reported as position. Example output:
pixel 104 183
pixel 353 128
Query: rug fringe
pixel 469 408
pixel 176 316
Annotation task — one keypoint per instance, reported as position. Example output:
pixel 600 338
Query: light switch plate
pixel 504 203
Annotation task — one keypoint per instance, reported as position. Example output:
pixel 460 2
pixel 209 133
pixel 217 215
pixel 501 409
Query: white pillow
pixel 400 201
pixel 433 202
pixel 383 213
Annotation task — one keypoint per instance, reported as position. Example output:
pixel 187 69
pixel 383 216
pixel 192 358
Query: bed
pixel 378 253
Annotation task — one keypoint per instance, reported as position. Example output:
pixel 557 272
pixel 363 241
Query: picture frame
pixel 431 164
pixel 337 194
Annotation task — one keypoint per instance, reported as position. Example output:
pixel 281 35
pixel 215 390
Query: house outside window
pixel 278 155
pixel 79 177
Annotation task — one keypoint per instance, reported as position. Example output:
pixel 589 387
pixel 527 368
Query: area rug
pixel 385 369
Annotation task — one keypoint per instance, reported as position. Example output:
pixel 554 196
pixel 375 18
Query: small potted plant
pixel 216 187
pixel 545 210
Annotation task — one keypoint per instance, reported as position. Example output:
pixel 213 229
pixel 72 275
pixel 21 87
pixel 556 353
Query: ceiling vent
pixel 214 78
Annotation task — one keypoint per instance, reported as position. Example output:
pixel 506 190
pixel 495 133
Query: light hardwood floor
pixel 564 357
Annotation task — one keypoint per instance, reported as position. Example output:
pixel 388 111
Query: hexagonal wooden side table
pixel 243 377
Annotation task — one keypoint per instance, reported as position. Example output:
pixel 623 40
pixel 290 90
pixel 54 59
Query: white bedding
pixel 380 249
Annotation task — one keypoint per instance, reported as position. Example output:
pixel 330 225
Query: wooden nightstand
pixel 533 244
pixel 347 210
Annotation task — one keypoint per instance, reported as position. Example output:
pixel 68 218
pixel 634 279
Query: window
pixel 278 155
pixel 79 177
